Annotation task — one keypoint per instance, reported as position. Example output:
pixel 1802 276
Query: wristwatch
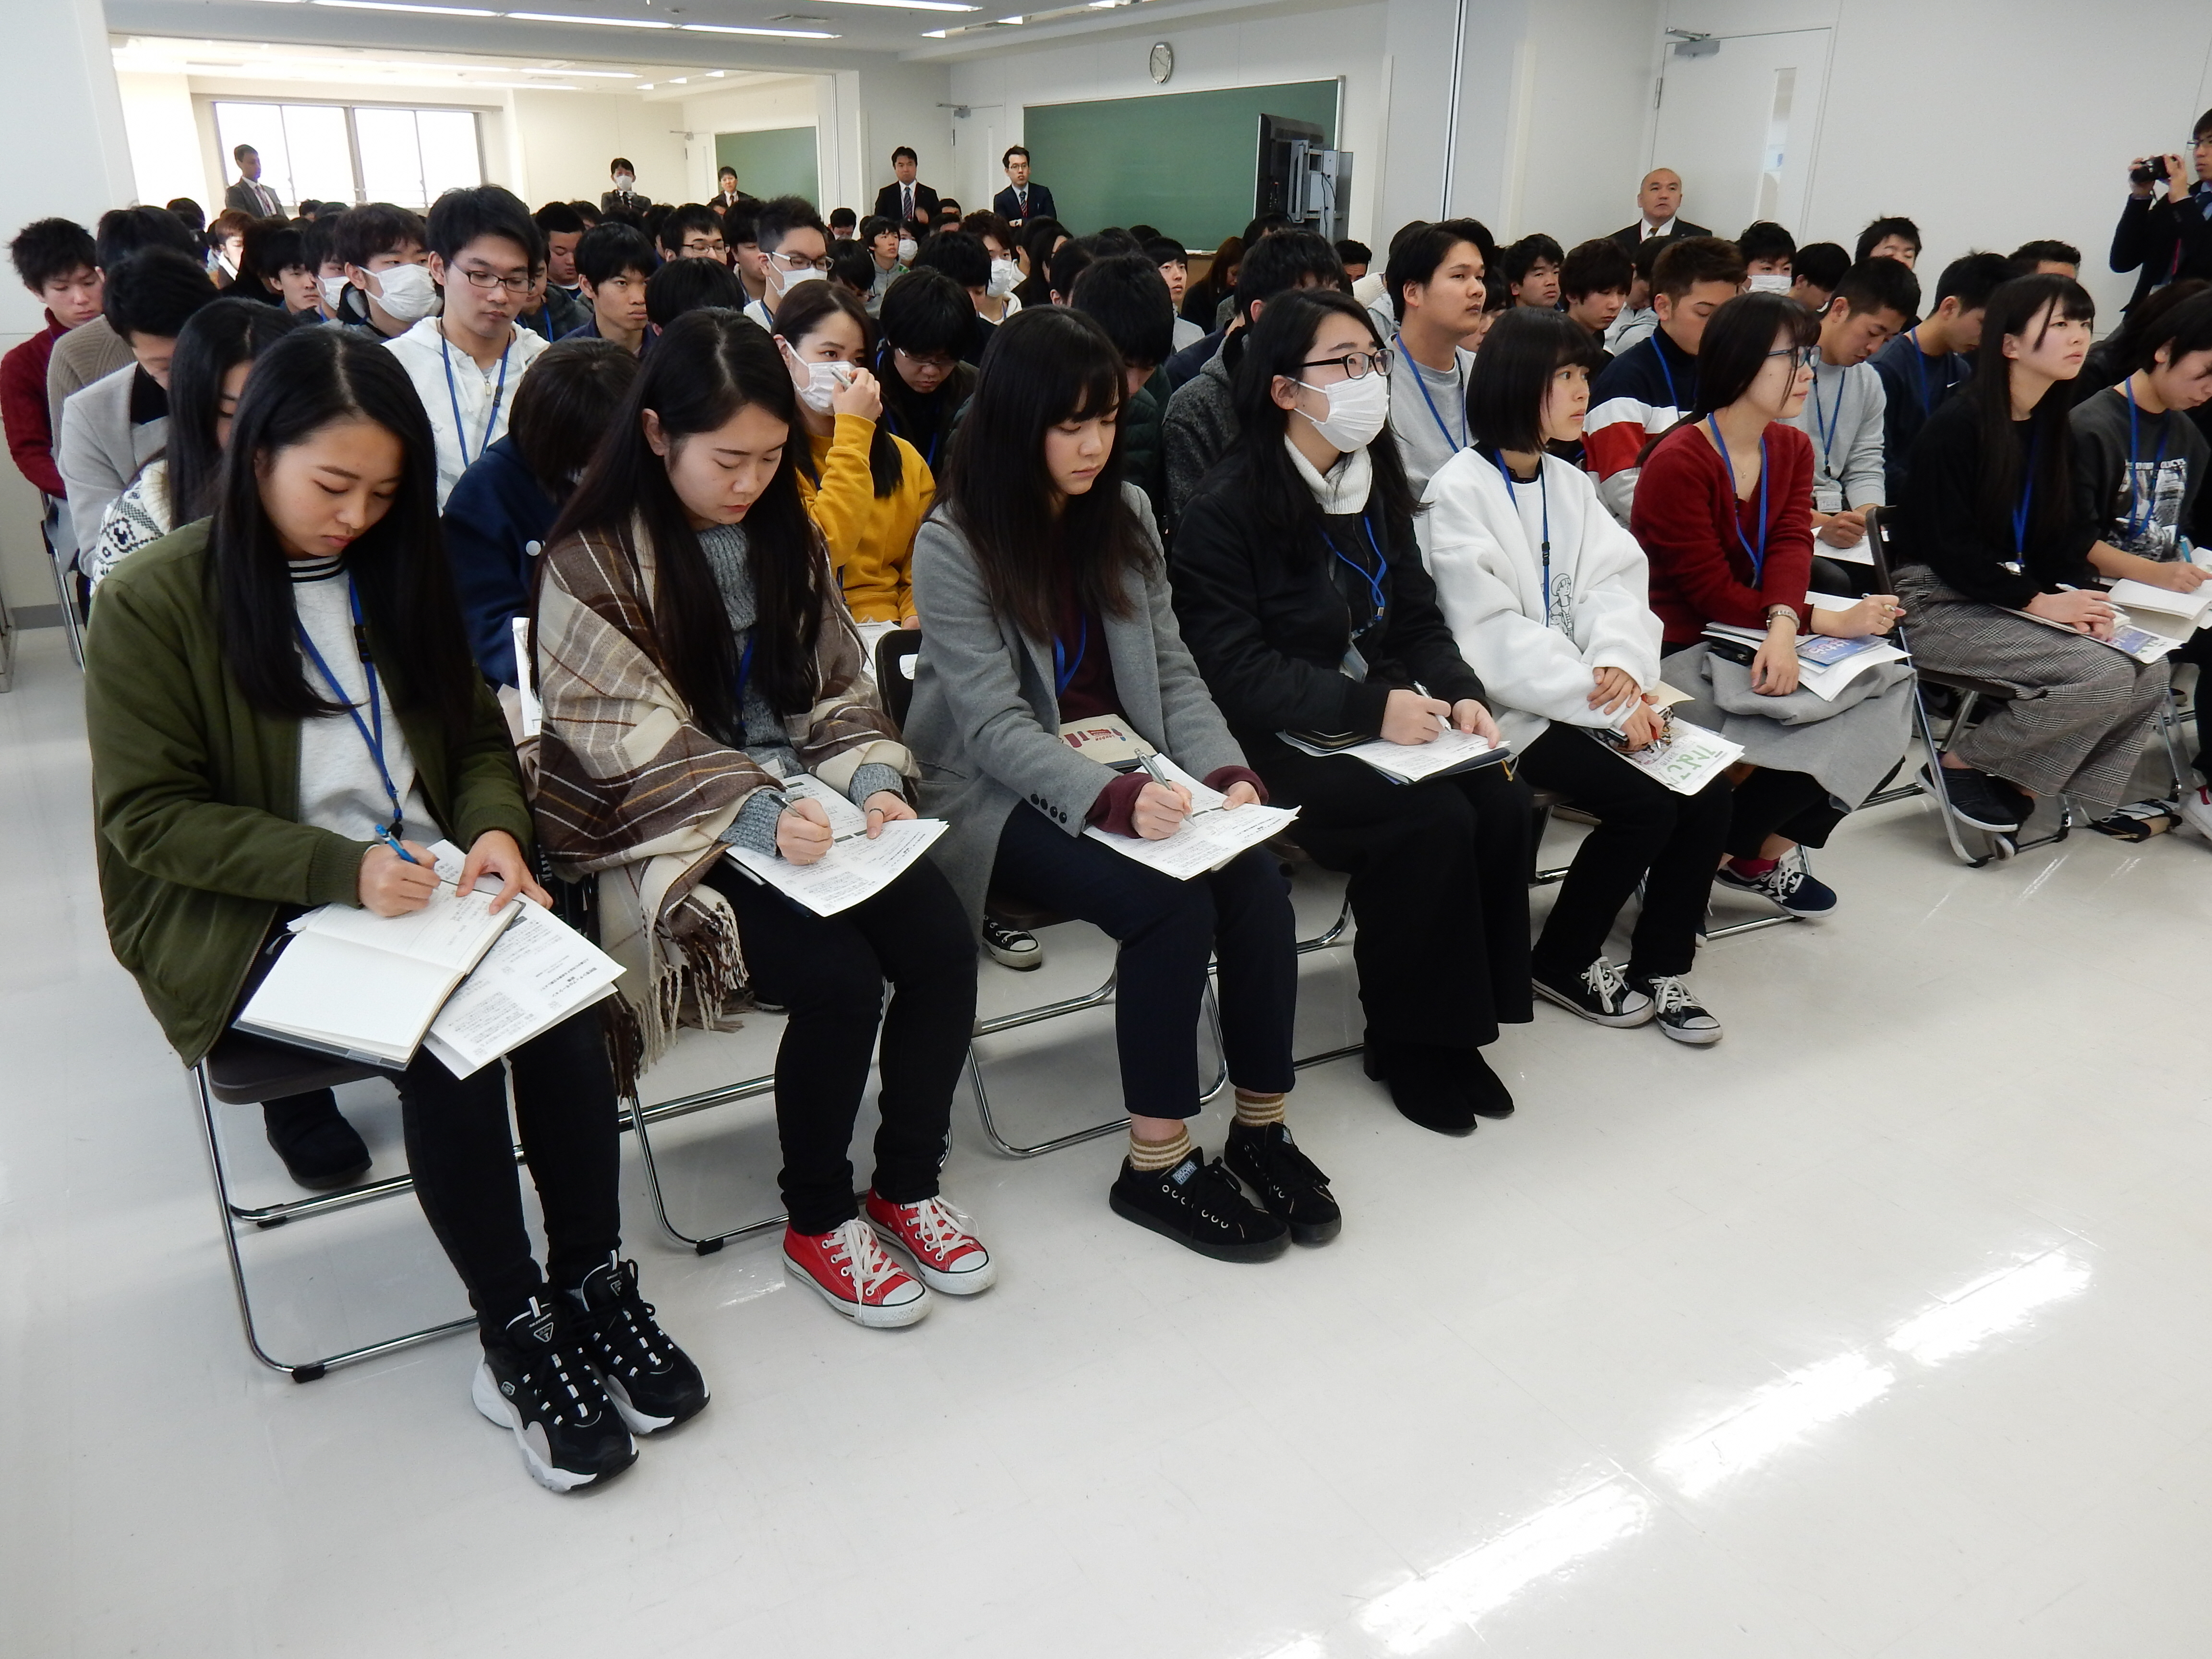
pixel 1775 610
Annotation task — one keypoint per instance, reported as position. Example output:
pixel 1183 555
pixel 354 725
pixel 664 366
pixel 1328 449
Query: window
pixel 359 153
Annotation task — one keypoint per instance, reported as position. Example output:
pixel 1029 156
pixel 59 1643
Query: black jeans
pixel 1240 916
pixel 829 972
pixel 1440 888
pixel 1646 832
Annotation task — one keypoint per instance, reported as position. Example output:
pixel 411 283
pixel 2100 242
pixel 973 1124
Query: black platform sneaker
pixel 652 1381
pixel 1291 1187
pixel 1201 1207
pixel 535 1382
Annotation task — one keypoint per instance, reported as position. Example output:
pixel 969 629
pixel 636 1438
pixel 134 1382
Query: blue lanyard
pixel 454 398
pixel 1673 397
pixel 371 730
pixel 1372 578
pixel 2026 503
pixel 2136 495
pixel 1920 362
pixel 1827 422
pixel 1422 386
pixel 1064 672
pixel 1757 555
pixel 1544 497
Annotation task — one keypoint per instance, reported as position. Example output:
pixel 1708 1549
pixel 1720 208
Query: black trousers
pixel 1645 832
pixel 829 972
pixel 1239 916
pixel 1440 888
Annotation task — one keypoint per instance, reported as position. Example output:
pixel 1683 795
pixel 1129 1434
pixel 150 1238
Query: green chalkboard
pixel 777 162
pixel 1181 161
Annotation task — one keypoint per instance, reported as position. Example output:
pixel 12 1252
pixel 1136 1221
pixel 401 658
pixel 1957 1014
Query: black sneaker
pixel 320 1148
pixel 1972 801
pixel 535 1382
pixel 1010 947
pixel 1428 1085
pixel 1787 886
pixel 1201 1207
pixel 1680 1015
pixel 652 1381
pixel 1291 1187
pixel 1601 993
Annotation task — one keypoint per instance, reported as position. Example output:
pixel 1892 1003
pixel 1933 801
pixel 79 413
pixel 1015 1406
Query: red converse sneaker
pixel 945 1254
pixel 856 1276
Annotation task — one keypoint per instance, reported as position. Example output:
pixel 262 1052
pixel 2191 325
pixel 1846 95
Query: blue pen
pixel 391 840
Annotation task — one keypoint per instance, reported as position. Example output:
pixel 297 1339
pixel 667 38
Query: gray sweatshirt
pixel 1428 412
pixel 1844 417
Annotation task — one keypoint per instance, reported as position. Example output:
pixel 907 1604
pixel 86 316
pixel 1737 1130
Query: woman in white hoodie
pixel 1547 595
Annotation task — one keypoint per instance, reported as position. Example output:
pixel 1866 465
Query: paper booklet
pixel 1213 834
pixel 2162 610
pixel 1685 758
pixel 2130 641
pixel 1824 665
pixel 1451 750
pixel 526 680
pixel 854 867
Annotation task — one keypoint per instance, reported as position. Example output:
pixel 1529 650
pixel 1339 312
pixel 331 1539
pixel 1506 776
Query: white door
pixel 1738 122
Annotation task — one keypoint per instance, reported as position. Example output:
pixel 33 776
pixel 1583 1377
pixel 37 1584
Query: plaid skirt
pixel 2079 710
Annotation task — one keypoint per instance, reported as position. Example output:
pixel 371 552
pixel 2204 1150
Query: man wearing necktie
pixel 249 194
pixel 1661 200
pixel 911 204
pixel 1021 200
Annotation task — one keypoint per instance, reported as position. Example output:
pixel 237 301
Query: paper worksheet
pixel 1450 750
pixel 1685 758
pixel 1213 834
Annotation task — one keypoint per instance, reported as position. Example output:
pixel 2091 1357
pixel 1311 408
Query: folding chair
pixel 1972 694
pixel 61 554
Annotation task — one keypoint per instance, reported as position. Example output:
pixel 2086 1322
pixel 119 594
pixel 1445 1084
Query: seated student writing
pixel 866 489
pixel 1724 513
pixel 614 263
pixel 1843 413
pixel 1546 596
pixel 1893 237
pixel 279 700
pixel 1044 599
pixel 1595 279
pixel 1925 364
pixel 925 323
pixel 500 513
pixel 961 257
pixel 1992 523
pixel 1816 269
pixel 1300 587
pixel 694 658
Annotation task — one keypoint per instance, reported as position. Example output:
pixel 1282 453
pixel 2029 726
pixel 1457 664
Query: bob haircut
pixel 564 407
pixel 1044 367
pixel 925 313
pixel 683 285
pixel 875 225
pixel 1513 372
pixel 1738 337
pixel 802 313
pixel 2024 309
pixel 310 380
pixel 706 369
pixel 213 340
pixel 1129 297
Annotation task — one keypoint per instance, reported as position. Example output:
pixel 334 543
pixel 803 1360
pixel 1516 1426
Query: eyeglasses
pixel 1804 355
pixel 699 250
pixel 1355 364
pixel 800 262
pixel 942 362
pixel 489 280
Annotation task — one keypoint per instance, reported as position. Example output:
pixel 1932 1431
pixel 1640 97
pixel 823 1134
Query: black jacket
pixel 926 422
pixel 2162 240
pixel 1941 516
pixel 1269 626
pixel 925 203
pixel 1008 206
pixel 1628 235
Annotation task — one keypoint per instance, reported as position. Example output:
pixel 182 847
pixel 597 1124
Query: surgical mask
pixel 907 250
pixel 1769 282
pixel 1005 276
pixel 625 181
pixel 824 382
pixel 1357 411
pixel 782 280
pixel 407 295
pixel 333 292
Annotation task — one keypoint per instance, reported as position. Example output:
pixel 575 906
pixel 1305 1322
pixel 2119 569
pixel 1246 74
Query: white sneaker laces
pixel 938 1225
pixel 855 1247
pixel 1605 981
pixel 1670 993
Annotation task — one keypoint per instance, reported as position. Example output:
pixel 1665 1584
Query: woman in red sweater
pixel 1724 508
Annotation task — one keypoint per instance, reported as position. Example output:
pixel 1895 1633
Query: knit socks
pixel 1151 1157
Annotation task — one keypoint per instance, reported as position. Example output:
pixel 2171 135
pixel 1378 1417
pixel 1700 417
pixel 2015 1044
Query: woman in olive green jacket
pixel 282 714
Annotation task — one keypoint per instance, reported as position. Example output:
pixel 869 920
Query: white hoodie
pixel 1483 548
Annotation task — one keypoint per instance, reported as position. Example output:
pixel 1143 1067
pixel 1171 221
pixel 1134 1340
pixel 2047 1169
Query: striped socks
pixel 1256 1111
pixel 1151 1157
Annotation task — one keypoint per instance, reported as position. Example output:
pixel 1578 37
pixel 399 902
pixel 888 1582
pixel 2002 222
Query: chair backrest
pixel 893 682
pixel 1881 548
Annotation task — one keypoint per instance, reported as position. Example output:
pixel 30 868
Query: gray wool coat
pixel 984 726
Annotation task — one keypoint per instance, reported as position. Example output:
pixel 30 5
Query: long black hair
pixel 1043 367
pixel 799 316
pixel 1513 372
pixel 2012 311
pixel 706 366
pixel 1737 340
pixel 311 379
pixel 214 340
pixel 1275 493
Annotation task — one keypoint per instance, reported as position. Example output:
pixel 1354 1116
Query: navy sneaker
pixel 1792 889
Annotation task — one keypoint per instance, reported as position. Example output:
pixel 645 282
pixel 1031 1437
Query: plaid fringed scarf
pixel 630 789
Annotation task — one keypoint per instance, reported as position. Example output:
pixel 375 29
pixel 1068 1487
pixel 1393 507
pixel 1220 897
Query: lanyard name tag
pixel 1106 739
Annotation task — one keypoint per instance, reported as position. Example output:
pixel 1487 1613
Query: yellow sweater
pixel 871 538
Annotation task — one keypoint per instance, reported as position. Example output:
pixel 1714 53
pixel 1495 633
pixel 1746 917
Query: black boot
pixel 1428 1085
pixel 320 1148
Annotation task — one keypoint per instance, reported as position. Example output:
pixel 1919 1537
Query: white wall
pixel 759 106
pixel 165 142
pixel 1584 123
pixel 564 140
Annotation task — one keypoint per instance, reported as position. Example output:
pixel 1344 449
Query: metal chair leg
pixel 64 590
pixel 640 1115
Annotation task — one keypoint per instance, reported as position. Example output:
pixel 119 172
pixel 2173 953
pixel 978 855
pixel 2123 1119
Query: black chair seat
pixel 1987 688
pixel 245 1071
pixel 1020 914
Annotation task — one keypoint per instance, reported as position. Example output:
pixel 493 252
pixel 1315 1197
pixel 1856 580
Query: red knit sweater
pixel 23 407
pixel 1688 518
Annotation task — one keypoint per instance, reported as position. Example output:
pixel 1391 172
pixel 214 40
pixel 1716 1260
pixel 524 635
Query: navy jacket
pixel 1008 206
pixel 496 523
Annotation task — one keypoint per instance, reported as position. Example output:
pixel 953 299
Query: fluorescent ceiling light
pixel 403 5
pixel 529 86
pixel 678 80
pixel 608 75
pixel 730 28
pixel 908 5
pixel 603 22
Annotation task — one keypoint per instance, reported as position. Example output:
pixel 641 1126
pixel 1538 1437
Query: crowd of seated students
pixel 677 468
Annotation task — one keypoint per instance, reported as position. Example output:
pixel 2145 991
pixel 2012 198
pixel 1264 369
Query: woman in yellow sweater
pixel 867 490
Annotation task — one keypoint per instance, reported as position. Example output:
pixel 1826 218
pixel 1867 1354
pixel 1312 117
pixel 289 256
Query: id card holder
pixel 1106 739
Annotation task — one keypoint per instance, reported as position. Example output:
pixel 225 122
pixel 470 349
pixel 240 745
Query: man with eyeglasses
pixel 1437 285
pixel 795 244
pixel 694 233
pixel 2171 238
pixel 485 251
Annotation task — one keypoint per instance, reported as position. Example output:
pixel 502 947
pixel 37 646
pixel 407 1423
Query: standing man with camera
pixel 2171 238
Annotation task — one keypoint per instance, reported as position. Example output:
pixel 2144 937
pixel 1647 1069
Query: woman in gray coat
pixel 1043 601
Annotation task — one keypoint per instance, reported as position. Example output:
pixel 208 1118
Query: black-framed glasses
pixel 1804 355
pixel 1355 364
pixel 488 280
pixel 800 262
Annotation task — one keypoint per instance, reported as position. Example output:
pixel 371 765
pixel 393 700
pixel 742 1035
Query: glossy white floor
pixel 1879 1329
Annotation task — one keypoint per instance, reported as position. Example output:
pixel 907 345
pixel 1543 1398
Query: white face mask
pixel 781 281
pixel 405 292
pixel 1769 282
pixel 333 290
pixel 818 383
pixel 1005 275
pixel 625 181
pixel 1357 411
pixel 907 249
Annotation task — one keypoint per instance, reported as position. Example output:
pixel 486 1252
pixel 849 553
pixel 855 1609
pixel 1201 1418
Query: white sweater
pixel 1482 546
pixel 467 405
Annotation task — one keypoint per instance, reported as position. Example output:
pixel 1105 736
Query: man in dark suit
pixel 726 193
pixel 1021 201
pixel 907 204
pixel 624 197
pixel 249 194
pixel 1661 199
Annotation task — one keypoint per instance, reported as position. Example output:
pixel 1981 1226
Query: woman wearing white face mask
pixel 868 490
pixel 1302 595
